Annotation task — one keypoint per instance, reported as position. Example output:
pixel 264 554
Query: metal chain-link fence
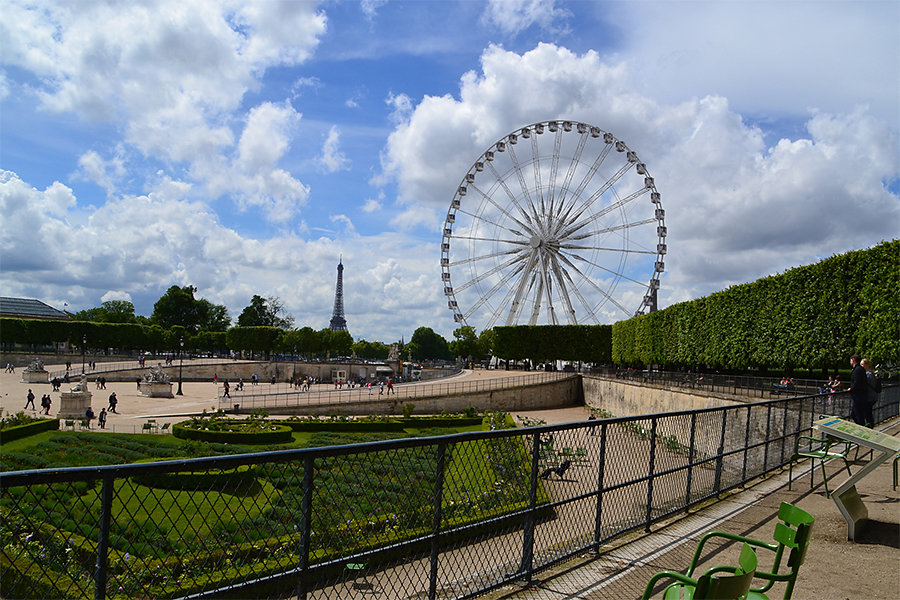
pixel 432 517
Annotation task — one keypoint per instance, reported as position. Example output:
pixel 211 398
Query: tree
pixel 178 307
pixel 466 343
pixel 426 344
pixel 265 312
pixel 118 311
pixel 213 317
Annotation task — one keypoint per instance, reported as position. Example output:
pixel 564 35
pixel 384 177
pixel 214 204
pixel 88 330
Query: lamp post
pixel 83 344
pixel 180 365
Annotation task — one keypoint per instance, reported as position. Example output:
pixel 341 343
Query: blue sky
pixel 243 147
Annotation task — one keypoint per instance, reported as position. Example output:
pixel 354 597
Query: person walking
pixel 859 391
pixel 113 401
pixel 101 418
pixel 225 388
pixel 29 399
pixel 390 386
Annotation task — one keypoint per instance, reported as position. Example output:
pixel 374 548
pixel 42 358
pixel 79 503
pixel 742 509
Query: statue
pixel 36 365
pixel 35 372
pixel 81 387
pixel 394 354
pixel 156 375
pixel 157 383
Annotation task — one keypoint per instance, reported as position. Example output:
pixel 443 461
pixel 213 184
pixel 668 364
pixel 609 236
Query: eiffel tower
pixel 338 322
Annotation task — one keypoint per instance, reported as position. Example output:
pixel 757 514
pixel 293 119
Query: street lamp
pixel 83 344
pixel 180 365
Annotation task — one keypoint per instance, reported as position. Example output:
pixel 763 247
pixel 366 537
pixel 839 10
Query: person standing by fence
pixel 859 391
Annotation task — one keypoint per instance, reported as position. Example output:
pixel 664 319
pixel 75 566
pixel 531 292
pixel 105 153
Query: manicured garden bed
pixel 185 531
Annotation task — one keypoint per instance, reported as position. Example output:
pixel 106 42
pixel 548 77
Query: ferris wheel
pixel 557 222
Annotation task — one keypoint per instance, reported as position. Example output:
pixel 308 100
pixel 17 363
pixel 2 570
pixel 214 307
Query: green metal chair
pixel 791 534
pixel 710 585
pixel 819 449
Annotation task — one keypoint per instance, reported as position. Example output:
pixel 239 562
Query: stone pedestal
pixel 395 365
pixel 73 404
pixel 157 389
pixel 29 376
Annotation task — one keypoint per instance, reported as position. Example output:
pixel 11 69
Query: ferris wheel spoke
pixel 536 158
pixel 570 173
pixel 485 239
pixel 488 273
pixel 554 165
pixel 594 285
pixel 608 270
pixel 615 205
pixel 625 250
pixel 480 217
pixel 518 168
pixel 603 189
pixel 492 291
pixel 474 259
pixel 533 217
pixel 581 298
pixel 563 292
pixel 514 308
pixel 587 179
pixel 611 229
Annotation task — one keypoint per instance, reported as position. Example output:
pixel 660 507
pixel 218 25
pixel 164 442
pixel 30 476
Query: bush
pixel 221 432
pixel 19 429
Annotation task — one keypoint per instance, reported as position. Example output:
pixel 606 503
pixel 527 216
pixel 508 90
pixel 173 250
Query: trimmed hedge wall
pixel 814 317
pixel 277 434
pixel 587 343
pixel 17 432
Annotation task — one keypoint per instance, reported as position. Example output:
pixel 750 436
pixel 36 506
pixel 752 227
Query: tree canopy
pixel 265 312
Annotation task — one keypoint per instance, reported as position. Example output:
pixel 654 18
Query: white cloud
pixel 115 295
pixel 370 7
pixel 514 16
pixel 104 173
pixel 401 107
pixel 332 159
pixel 175 83
pixel 372 205
pixel 767 57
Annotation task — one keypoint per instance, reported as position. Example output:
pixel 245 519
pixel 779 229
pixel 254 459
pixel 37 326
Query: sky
pixel 245 148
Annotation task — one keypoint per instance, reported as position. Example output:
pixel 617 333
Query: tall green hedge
pixel 586 343
pixel 813 316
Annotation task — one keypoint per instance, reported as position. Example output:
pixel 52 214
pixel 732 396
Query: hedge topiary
pixel 17 432
pixel 272 434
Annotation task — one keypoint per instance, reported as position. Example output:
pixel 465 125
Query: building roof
pixel 27 308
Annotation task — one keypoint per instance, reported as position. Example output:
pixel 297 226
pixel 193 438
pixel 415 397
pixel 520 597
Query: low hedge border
pixel 17 432
pixel 275 434
pixel 396 425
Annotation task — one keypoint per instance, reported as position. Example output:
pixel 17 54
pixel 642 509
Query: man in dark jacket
pixel 859 392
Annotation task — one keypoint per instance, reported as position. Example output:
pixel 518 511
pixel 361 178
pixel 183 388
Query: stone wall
pixel 624 398
pixel 551 394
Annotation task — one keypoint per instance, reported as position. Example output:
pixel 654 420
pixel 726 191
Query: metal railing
pixel 263 396
pixel 443 517
pixel 744 385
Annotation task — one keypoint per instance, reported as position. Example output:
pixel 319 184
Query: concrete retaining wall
pixel 625 399
pixel 551 394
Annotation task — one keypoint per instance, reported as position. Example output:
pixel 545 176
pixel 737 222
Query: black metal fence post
pixel 309 465
pixel 720 459
pixel 102 567
pixel 690 473
pixel 437 499
pixel 746 446
pixel 598 521
pixel 650 473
